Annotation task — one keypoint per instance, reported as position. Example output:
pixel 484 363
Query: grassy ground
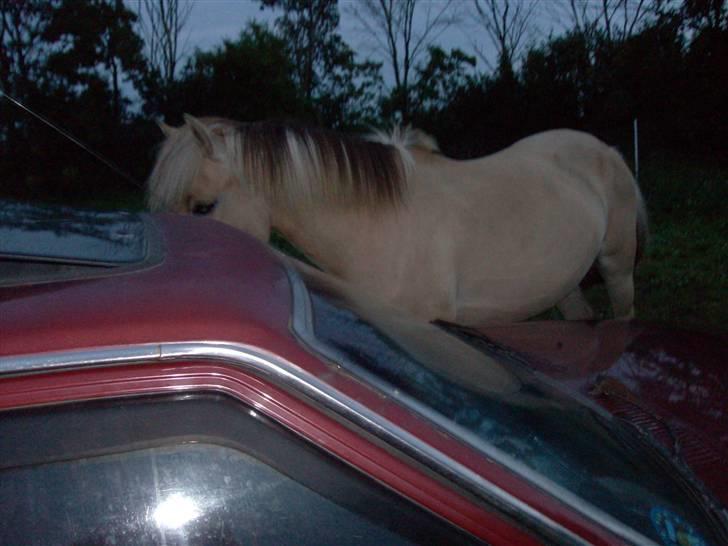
pixel 683 278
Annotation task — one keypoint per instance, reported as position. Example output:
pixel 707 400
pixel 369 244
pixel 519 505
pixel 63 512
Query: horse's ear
pixel 202 134
pixel 168 130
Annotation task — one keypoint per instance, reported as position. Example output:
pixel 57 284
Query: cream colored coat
pixel 495 239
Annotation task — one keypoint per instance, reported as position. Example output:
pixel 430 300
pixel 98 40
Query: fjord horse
pixel 499 238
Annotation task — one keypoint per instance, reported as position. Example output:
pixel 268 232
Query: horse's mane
pixel 406 138
pixel 293 164
pixel 178 159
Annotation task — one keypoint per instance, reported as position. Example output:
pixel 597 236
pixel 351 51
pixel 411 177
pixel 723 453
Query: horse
pixel 490 240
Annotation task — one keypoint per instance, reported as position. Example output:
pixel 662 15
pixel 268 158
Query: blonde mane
pixel 293 164
pixel 406 138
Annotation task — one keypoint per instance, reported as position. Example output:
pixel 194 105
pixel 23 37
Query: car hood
pixel 669 384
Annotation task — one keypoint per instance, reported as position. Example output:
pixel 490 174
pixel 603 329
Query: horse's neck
pixel 336 239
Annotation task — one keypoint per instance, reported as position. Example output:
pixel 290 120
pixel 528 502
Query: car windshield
pixel 483 395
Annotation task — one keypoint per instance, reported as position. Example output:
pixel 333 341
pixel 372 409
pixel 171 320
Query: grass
pixel 683 278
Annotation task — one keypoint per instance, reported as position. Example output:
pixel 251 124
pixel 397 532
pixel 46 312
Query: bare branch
pixel 507 25
pixel 617 19
pixel 403 30
pixel 162 22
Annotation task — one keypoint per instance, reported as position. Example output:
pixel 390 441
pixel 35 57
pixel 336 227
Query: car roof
pixel 201 289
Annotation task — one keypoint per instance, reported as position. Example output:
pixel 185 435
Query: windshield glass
pixel 489 399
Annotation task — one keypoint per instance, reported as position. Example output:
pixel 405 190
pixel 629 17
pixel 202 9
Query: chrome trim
pixel 302 325
pixel 63 360
pixel 286 374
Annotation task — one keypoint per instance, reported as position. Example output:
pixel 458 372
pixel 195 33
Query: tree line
pixel 104 72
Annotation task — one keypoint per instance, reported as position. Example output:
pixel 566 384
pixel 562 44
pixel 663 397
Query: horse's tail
pixel 643 231
pixel 593 276
pixel 641 220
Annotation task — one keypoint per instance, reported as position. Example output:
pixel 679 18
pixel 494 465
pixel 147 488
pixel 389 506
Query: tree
pixel 506 24
pixel 439 80
pixel 22 55
pixel 162 22
pixel 338 89
pixel 558 79
pixel 348 94
pixel 98 49
pixel 616 20
pixel 707 21
pixel 23 51
pixel 391 23
pixel 309 30
pixel 247 79
pixel 70 61
pixel 705 14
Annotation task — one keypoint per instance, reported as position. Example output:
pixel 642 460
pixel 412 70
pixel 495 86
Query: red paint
pixel 671 384
pixel 321 430
pixel 218 284
pixel 176 300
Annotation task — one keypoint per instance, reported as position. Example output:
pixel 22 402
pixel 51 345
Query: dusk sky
pixel 211 21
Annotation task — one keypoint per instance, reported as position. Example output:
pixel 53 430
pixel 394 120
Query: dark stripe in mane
pixel 337 167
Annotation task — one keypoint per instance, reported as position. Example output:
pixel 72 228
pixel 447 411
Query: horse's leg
pixel 575 307
pixel 616 263
pixel 626 231
pixel 618 277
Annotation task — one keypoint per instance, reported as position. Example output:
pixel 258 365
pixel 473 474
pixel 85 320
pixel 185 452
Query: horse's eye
pixel 203 208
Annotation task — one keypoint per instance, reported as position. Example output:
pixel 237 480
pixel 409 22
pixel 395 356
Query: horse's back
pixel 558 139
pixel 526 223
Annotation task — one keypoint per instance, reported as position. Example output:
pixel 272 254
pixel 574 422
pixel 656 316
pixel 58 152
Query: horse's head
pixel 196 173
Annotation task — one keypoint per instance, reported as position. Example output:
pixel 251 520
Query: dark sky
pixel 213 20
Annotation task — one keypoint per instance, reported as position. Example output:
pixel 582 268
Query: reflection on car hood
pixel 670 384
pixel 67 235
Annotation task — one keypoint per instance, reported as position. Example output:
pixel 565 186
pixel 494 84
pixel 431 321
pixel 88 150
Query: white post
pixel 636 150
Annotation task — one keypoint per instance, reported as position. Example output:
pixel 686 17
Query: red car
pixel 168 380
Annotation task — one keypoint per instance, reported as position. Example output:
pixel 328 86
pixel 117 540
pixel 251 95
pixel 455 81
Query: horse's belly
pixel 518 271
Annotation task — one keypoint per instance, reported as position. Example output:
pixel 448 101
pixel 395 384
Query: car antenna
pixel 73 139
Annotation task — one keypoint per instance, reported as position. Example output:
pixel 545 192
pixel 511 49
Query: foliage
pixel 246 79
pixel 683 278
pixel 22 30
pixel 72 64
pixel 349 93
pixel 337 89
pixel 437 81
pixel 95 49
pixel 391 25
pixel 665 75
